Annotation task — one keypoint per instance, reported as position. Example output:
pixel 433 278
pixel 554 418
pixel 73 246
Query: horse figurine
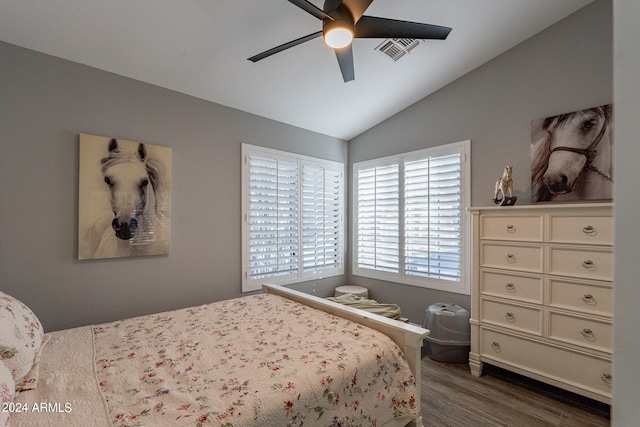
pixel 572 156
pixel 136 223
pixel 504 184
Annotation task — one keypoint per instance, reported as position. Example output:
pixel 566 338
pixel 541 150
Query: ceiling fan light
pixel 338 37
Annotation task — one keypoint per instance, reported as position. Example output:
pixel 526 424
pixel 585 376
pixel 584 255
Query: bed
pixel 280 358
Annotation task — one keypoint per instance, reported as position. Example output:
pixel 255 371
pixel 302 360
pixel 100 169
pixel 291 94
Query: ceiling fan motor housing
pixel 342 19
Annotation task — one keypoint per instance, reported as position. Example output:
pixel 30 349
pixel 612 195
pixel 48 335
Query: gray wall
pixel 48 101
pixel 45 103
pixel 626 375
pixel 565 68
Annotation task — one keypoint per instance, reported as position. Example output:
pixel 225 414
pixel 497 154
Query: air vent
pixel 397 48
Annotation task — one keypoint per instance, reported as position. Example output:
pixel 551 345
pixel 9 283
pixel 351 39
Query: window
pixel 410 218
pixel 293 210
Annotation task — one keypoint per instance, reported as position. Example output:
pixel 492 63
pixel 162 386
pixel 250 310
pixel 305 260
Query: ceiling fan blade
pixel 383 28
pixel 285 46
pixel 345 60
pixel 357 7
pixel 310 8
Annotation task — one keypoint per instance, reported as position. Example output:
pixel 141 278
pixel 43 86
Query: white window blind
pixel 433 217
pixel 322 207
pixel 293 217
pixel 410 223
pixel 378 218
pixel 273 217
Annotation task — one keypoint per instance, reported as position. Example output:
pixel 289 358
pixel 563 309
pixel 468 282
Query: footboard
pixel 407 336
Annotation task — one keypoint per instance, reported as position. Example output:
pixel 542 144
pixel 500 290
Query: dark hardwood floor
pixel 452 397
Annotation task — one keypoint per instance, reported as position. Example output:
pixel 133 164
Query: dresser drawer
pixel 525 319
pixel 585 332
pixel 520 228
pixel 512 257
pixel 588 298
pixel 594 230
pixel 513 286
pixel 592 374
pixel 584 263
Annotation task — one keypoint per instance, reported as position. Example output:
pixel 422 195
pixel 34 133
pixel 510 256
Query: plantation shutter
pixel 273 217
pixel 293 217
pixel 322 222
pixel 432 217
pixel 410 223
pixel 378 225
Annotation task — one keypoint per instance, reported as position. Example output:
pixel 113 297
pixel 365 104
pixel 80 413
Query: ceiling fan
pixel 344 20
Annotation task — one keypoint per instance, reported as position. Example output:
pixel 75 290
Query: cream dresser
pixel 541 302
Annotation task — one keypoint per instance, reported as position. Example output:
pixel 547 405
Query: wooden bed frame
pixel 407 336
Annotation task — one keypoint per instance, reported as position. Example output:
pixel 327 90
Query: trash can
pixel 450 337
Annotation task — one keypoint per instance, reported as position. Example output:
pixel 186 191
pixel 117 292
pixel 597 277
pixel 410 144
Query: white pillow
pixel 7 392
pixel 30 380
pixel 20 336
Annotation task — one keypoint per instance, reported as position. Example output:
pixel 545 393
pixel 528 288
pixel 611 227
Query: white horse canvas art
pixel 124 198
pixel 572 156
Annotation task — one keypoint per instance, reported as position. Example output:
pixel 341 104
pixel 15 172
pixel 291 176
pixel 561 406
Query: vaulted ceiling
pixel 200 48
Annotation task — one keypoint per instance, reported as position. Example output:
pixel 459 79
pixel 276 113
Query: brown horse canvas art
pixel 571 156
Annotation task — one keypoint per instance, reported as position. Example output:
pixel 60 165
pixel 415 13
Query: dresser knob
pixel 495 346
pixel 510 287
pixel 607 378
pixel 589 230
pixel 588 264
pixel 587 333
pixel 511 258
pixel 510 317
pixel 588 299
pixel 511 228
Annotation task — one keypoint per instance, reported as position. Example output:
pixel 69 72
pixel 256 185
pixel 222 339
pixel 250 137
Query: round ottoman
pixel 359 291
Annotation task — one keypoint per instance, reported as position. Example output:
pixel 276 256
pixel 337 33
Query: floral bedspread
pixel 257 360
